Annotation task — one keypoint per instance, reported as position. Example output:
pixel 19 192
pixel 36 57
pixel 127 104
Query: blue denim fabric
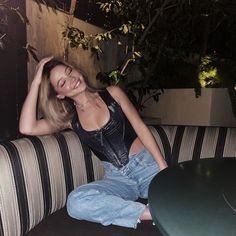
pixel 112 200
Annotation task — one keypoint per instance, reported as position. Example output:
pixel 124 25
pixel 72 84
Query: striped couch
pixel 37 173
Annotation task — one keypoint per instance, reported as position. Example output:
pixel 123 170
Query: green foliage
pixel 113 77
pixel 165 40
pixel 77 38
pixel 215 72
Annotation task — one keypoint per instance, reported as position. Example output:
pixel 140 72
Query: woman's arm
pixel 139 126
pixel 29 124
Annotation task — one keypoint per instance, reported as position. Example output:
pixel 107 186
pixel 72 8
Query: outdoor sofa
pixel 38 172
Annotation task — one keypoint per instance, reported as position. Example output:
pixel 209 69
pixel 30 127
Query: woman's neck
pixel 83 100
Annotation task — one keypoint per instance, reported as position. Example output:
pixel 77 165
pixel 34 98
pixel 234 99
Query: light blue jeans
pixel 112 200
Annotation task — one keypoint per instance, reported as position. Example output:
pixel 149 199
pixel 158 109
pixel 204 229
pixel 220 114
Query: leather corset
pixel 112 142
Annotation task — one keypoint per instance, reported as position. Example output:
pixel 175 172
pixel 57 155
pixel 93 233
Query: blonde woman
pixel 108 123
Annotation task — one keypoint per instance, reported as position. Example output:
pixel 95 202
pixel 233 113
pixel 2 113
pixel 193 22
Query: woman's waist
pixel 136 147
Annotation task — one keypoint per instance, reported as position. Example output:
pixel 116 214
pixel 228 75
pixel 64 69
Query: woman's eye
pixel 63 83
pixel 68 70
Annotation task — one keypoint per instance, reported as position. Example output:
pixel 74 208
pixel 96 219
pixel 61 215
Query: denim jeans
pixel 112 199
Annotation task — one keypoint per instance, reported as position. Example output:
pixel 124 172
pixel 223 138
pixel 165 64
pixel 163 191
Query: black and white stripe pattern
pixel 43 174
pixel 195 142
pixel 1 225
pixel 37 173
pixel 20 185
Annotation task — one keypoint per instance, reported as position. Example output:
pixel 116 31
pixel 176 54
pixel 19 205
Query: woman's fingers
pixel 39 68
pixel 43 62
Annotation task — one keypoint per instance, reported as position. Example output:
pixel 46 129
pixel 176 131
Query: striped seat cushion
pixel 36 175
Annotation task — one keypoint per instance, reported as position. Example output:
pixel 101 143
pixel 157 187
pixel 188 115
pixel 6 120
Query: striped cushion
pixel 183 143
pixel 37 173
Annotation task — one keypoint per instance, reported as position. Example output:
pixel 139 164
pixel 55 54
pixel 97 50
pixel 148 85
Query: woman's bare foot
pixel 146 214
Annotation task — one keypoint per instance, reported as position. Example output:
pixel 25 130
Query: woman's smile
pixel 77 83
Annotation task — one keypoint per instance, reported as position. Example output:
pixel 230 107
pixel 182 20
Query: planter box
pixel 180 106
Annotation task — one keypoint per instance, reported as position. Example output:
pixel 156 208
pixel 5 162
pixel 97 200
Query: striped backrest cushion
pixel 182 143
pixel 36 175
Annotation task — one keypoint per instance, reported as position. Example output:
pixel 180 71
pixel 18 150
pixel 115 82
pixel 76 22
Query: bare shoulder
pixel 119 95
pixel 116 92
pixel 113 89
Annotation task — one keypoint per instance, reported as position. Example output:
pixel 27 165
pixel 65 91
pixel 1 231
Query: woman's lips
pixel 77 84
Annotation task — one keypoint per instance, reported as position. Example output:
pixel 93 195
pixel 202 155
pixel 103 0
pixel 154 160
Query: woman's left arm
pixel 139 126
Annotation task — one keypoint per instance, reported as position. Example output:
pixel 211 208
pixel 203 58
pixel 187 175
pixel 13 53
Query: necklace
pixel 96 99
pixel 81 106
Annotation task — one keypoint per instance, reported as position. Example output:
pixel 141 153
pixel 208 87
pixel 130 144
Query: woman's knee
pixel 80 201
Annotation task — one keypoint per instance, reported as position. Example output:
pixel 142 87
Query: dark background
pixel 13 70
pixel 88 11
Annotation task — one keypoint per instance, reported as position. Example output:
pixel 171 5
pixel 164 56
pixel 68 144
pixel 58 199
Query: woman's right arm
pixel 29 124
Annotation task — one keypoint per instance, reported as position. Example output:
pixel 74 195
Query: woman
pixel 109 124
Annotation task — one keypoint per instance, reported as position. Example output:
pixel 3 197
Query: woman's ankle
pixel 146 215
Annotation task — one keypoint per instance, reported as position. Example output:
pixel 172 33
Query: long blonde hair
pixel 58 112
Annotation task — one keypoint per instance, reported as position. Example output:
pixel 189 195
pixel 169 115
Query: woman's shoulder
pixel 114 90
pixel 117 93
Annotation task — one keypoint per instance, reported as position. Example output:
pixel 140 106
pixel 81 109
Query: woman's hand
pixel 163 165
pixel 39 69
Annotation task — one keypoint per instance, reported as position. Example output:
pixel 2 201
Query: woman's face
pixel 67 81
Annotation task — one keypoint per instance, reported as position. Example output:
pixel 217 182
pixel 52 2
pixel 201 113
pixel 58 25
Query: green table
pixel 195 198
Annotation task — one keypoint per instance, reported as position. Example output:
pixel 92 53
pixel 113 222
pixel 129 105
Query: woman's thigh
pixel 144 169
pixel 119 187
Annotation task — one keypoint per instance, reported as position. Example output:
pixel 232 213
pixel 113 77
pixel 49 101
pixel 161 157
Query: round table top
pixel 195 198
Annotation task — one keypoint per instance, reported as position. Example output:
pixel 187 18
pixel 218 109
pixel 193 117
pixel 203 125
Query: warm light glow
pixel 208 75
